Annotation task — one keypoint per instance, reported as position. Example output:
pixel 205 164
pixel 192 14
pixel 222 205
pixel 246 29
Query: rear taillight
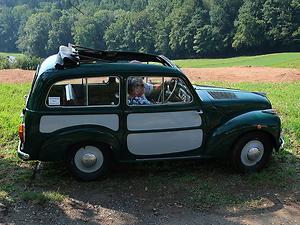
pixel 21 132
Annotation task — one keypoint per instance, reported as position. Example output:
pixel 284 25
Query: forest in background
pixel 175 28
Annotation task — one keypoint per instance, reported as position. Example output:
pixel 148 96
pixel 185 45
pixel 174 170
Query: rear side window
pixel 95 91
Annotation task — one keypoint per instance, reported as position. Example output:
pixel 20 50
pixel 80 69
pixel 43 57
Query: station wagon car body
pixel 78 111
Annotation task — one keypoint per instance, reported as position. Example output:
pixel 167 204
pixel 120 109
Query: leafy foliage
pixel 26 62
pixel 176 28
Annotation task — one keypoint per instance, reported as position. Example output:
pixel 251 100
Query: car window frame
pixel 159 104
pixel 83 106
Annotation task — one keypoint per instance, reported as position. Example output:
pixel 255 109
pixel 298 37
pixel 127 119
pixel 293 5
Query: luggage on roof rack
pixel 73 55
pixel 67 57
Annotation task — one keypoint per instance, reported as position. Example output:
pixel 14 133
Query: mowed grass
pixel 198 184
pixel 279 60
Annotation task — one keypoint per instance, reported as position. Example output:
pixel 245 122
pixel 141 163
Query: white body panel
pixel 164 120
pixel 50 124
pixel 164 142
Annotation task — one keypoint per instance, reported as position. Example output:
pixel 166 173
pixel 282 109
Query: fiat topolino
pixel 78 111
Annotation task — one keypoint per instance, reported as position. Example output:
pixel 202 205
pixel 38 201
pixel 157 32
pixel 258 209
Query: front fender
pixel 220 141
pixel 59 142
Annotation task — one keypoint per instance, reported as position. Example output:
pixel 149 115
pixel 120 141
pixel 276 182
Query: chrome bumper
pixel 22 155
pixel 281 141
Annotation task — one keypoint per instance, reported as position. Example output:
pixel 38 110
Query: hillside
pixel 278 60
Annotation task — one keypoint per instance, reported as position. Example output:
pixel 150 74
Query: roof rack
pixel 72 55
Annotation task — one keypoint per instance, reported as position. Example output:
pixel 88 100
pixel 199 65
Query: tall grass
pixel 11 103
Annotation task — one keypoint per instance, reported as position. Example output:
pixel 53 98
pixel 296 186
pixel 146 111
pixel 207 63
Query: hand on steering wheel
pixel 167 91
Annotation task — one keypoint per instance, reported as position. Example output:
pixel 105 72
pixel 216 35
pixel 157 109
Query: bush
pixel 27 62
pixel 4 63
pixel 24 62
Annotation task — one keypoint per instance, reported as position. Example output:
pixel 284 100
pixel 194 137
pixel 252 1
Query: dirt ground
pixel 139 204
pixel 243 74
pixel 87 204
pixel 229 74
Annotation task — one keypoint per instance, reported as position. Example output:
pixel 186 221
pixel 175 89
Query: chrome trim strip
pixel 281 140
pixel 166 158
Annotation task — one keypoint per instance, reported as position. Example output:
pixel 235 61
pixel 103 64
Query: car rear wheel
pixel 252 152
pixel 88 161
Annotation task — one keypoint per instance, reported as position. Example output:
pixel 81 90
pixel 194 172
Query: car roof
pixel 73 61
pixel 90 69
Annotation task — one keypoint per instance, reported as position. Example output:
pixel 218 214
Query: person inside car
pixel 136 91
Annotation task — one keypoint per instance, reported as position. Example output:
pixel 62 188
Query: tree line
pixel 175 28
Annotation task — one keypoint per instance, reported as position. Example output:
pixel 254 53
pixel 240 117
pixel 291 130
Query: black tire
pixel 90 151
pixel 241 158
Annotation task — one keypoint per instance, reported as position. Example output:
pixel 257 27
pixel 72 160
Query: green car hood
pixel 232 101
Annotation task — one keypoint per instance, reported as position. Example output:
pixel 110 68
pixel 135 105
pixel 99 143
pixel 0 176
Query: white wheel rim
pixel 252 153
pixel 88 159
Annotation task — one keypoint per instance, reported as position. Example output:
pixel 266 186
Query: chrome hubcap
pixel 88 159
pixel 252 153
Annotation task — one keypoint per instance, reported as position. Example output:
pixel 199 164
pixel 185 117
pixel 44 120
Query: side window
pixel 157 91
pixel 67 93
pixel 103 91
pixel 96 91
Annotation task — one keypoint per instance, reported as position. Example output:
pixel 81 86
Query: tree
pixel 216 36
pixel 296 23
pixel 131 32
pixel 250 27
pixel 60 33
pixel 278 17
pixel 207 41
pixel 89 30
pixel 161 22
pixel 34 36
pixel 184 23
pixel 8 30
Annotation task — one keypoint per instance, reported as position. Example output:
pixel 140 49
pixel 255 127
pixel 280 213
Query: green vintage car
pixel 89 107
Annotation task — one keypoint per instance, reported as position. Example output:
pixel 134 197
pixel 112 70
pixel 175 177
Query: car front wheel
pixel 252 152
pixel 88 161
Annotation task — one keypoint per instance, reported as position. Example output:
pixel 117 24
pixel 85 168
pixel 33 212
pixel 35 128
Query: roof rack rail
pixel 72 55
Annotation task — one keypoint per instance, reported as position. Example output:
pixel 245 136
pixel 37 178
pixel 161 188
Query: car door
pixel 168 125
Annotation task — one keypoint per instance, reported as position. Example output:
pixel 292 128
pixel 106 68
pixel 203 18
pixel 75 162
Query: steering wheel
pixel 167 92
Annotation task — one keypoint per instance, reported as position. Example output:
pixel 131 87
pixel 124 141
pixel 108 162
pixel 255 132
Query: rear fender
pixel 57 145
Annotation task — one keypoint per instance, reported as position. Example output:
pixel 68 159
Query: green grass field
pixel 210 183
pixel 279 60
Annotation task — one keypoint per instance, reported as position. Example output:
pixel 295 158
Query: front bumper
pixel 21 154
pixel 281 142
